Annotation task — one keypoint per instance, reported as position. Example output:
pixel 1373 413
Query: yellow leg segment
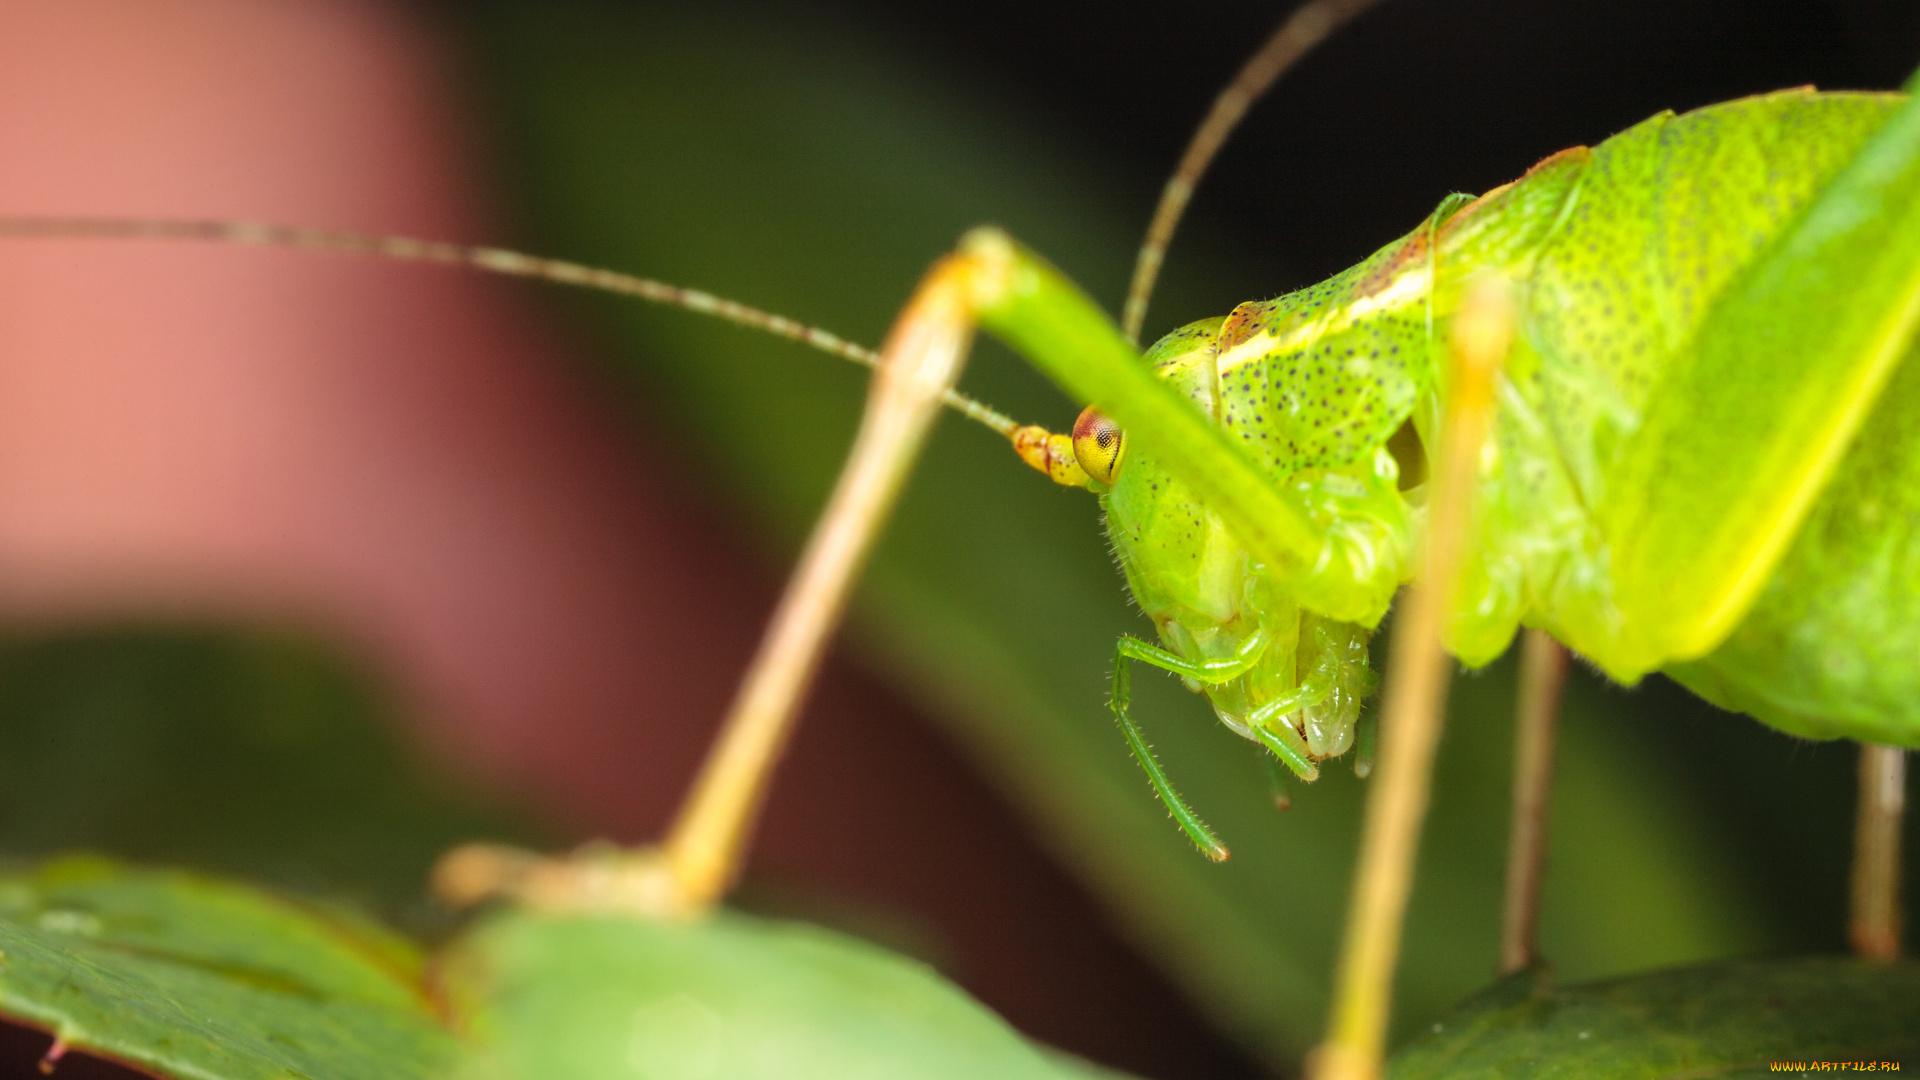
pixel 1414 705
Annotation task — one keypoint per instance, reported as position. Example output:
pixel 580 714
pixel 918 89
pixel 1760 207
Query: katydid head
pixel 1313 385
pixel 1209 597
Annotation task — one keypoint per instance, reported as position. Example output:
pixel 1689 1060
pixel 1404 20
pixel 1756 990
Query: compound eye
pixel 1098 444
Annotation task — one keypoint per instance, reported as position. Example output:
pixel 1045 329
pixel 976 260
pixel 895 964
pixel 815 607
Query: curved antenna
pixel 489 259
pixel 1309 24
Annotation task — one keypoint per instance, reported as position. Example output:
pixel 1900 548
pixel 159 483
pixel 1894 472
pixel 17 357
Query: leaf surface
pixel 187 976
pixel 567 996
pixel 1730 1019
pixel 192 977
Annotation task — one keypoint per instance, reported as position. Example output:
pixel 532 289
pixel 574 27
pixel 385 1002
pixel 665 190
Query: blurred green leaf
pixel 190 977
pixel 1721 1020
pixel 264 755
pixel 813 172
pixel 561 997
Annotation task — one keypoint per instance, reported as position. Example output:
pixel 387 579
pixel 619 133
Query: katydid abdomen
pixel 1615 256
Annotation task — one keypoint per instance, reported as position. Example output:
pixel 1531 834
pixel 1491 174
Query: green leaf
pixel 563 997
pixel 1720 1020
pixel 187 976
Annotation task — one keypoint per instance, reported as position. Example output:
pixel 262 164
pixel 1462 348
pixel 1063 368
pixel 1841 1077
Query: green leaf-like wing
pixel 1786 369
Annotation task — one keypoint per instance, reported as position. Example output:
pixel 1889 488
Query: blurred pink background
pixel 400 455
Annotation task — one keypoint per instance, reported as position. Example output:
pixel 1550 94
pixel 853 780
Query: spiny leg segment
pixel 1121 701
pixel 1210 672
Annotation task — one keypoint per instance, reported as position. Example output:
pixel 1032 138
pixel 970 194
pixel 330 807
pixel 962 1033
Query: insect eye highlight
pixel 1098 444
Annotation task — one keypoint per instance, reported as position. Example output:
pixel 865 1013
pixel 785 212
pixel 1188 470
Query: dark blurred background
pixel 311 567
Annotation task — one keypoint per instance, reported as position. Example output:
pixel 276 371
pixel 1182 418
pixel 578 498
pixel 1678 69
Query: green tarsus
pixel 1285 743
pixel 1190 823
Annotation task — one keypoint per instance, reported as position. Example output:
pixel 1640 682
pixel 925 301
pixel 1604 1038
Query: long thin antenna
pixel 1306 27
pixel 489 259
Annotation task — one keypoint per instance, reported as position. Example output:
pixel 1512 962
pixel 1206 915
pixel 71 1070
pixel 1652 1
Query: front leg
pixel 1126 651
